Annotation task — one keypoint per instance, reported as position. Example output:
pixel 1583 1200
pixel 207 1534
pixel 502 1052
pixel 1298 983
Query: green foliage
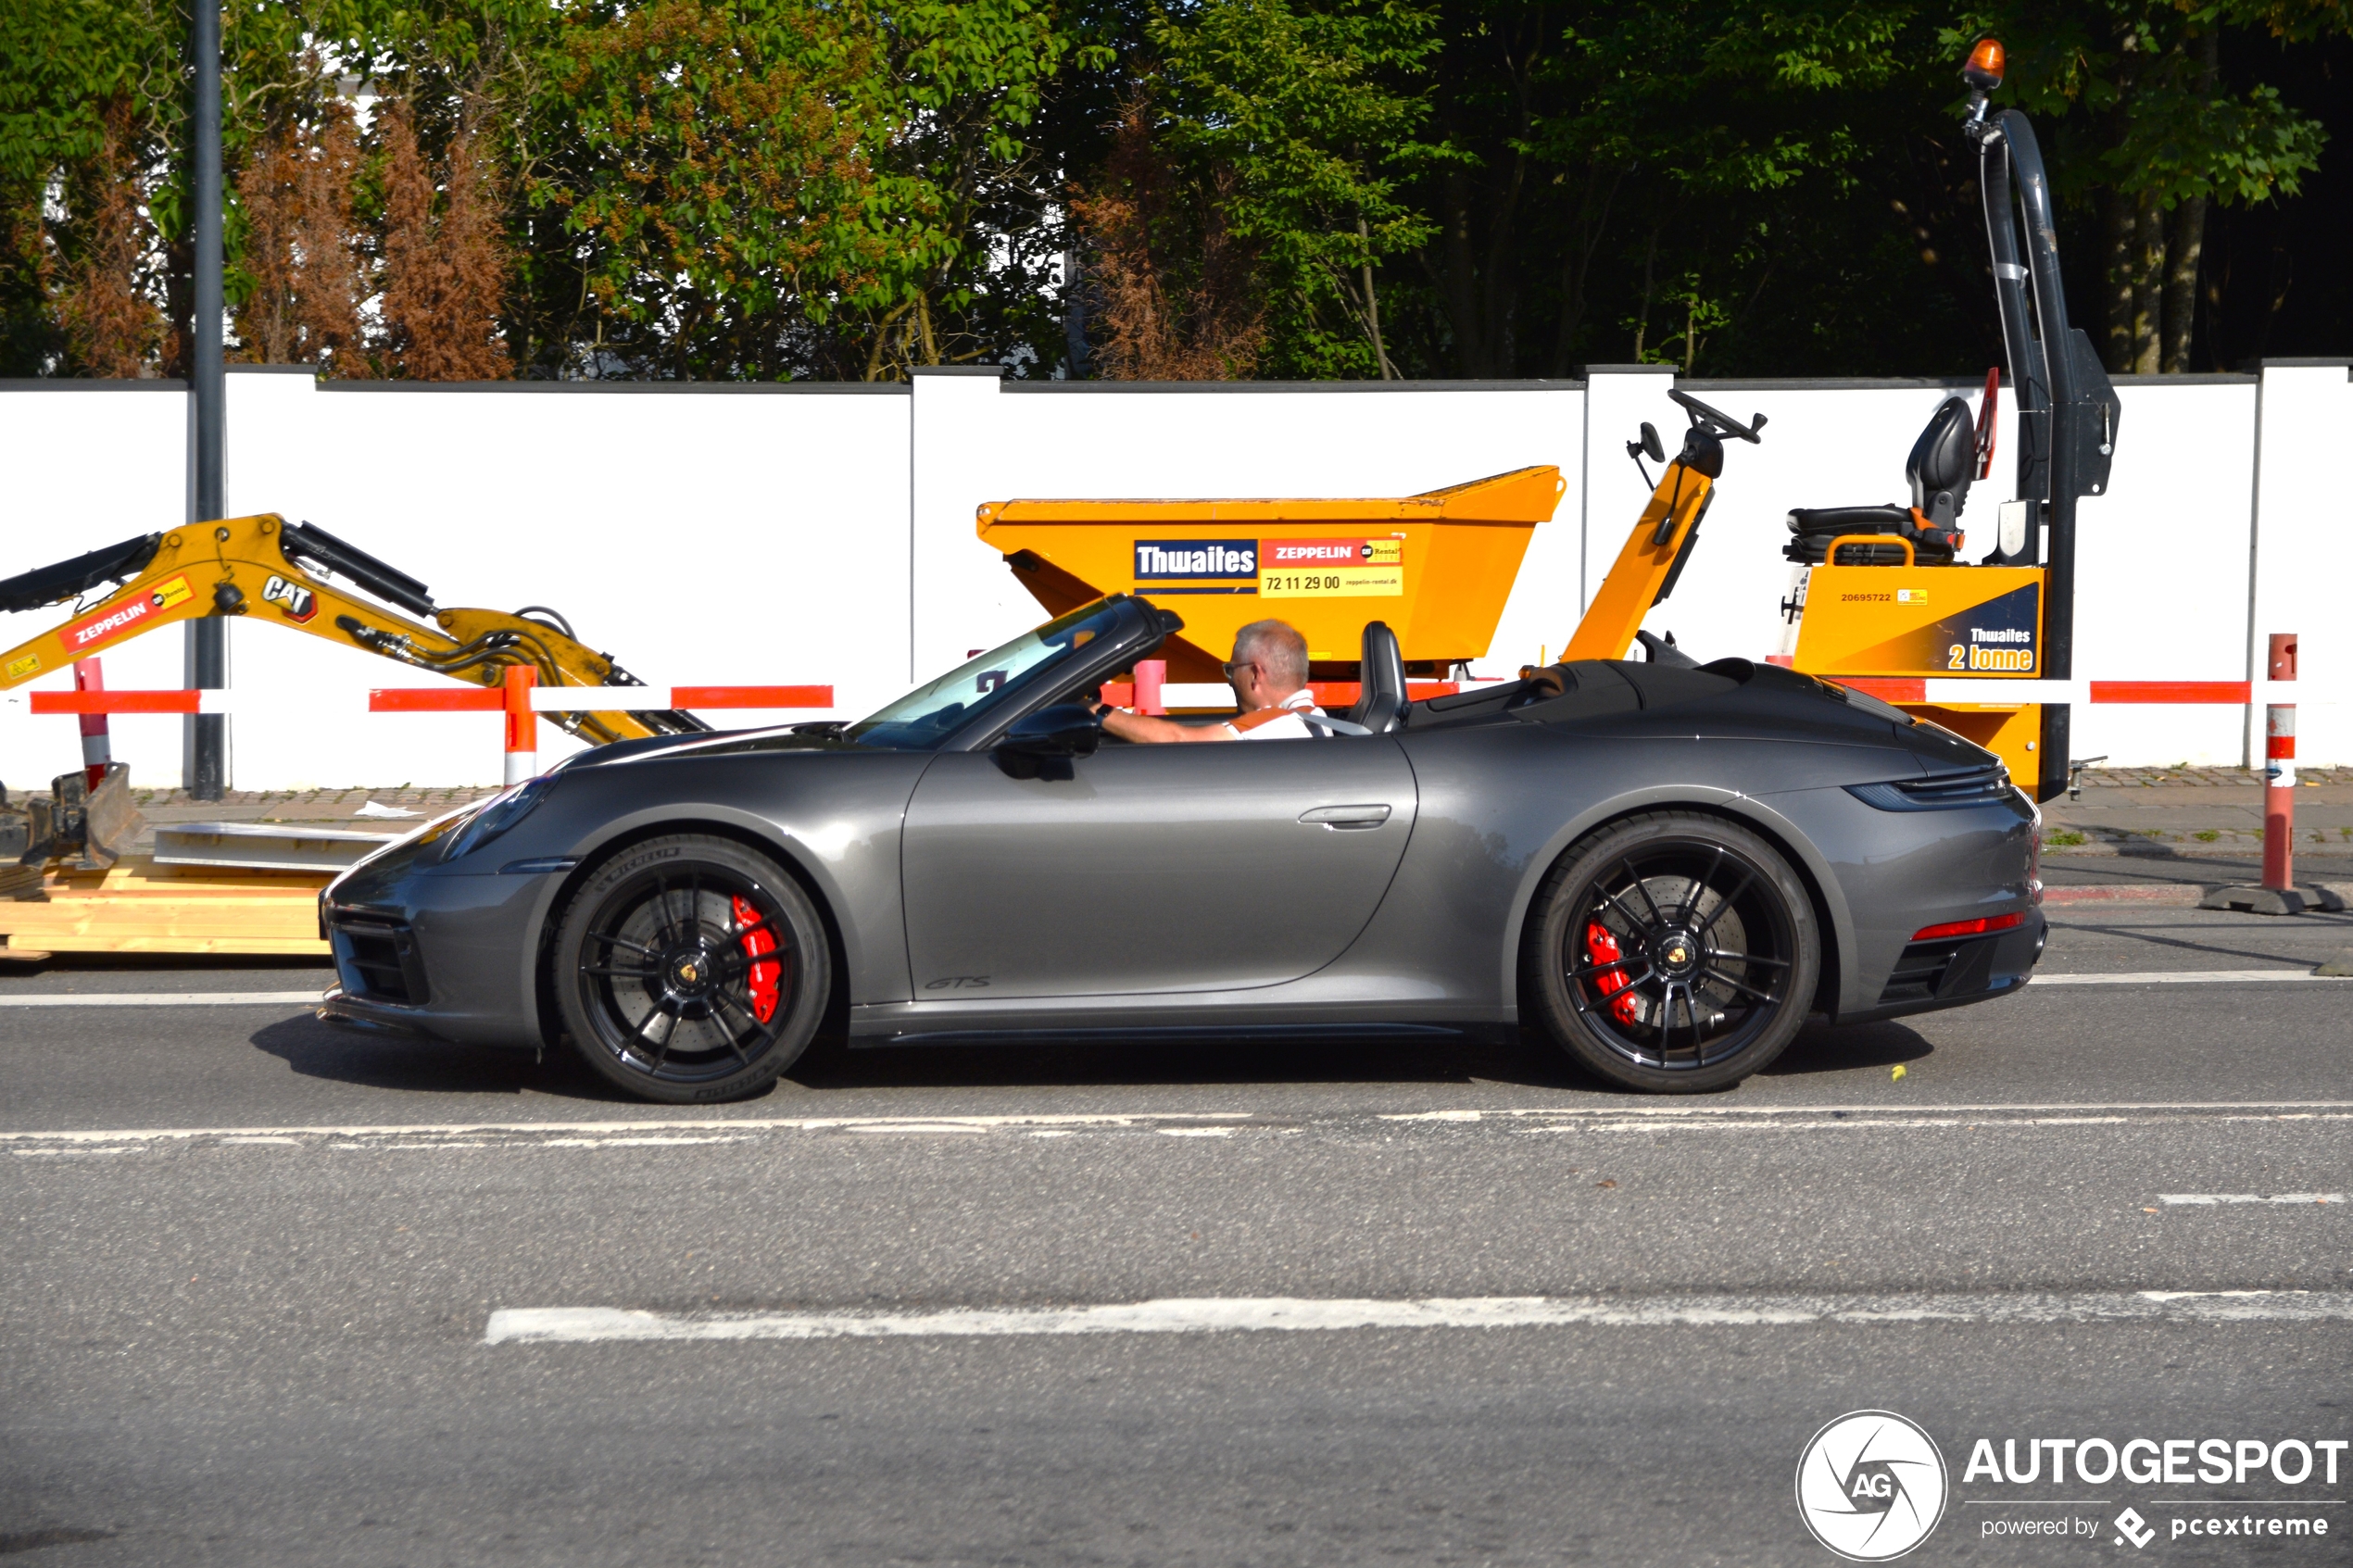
pixel 1315 108
pixel 778 188
pixel 712 191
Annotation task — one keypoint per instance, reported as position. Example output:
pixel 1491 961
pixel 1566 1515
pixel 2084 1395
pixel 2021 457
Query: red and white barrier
pixel 436 699
pixel 98 745
pixel 2279 768
pixel 1980 690
pixel 519 699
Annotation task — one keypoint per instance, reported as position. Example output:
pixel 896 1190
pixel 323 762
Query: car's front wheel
pixel 1672 952
pixel 690 969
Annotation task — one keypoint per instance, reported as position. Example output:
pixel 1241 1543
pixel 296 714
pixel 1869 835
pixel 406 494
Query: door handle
pixel 1342 818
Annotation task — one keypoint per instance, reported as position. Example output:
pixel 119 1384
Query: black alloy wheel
pixel 1672 952
pixel 690 969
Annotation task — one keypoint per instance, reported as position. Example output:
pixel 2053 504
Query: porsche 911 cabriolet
pixel 1665 870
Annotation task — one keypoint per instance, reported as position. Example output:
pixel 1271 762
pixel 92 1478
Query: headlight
pixel 496 815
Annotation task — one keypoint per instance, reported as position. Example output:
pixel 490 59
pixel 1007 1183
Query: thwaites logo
pixel 1197 560
pixel 108 623
pixel 296 602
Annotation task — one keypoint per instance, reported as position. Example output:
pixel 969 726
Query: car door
pixel 1150 868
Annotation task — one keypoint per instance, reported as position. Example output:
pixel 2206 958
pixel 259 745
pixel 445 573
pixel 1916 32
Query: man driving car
pixel 1269 673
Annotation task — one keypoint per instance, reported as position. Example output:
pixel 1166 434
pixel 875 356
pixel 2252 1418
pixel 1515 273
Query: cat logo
pixel 296 602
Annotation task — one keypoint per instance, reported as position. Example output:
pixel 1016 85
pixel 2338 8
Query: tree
pixel 1177 294
pixel 1312 110
pixel 2155 134
pixel 301 284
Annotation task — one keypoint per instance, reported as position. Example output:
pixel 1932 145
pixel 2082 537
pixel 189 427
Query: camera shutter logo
pixel 1872 1486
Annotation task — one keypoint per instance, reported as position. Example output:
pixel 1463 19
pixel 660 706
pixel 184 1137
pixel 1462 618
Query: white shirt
pixel 1280 723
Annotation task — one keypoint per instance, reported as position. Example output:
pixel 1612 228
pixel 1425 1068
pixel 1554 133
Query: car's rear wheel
pixel 1672 952
pixel 691 969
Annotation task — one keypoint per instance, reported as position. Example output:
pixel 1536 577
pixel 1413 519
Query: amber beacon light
pixel 1984 68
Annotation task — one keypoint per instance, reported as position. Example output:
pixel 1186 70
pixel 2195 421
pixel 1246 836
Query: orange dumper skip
pixel 1435 567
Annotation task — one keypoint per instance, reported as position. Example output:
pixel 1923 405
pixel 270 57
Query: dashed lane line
pixel 1296 1315
pixel 2208 1199
pixel 2185 977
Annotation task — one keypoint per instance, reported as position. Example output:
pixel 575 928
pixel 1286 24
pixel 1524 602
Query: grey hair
pixel 1278 648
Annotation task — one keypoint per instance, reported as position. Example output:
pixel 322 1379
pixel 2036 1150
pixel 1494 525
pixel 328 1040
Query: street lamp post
pixel 206 752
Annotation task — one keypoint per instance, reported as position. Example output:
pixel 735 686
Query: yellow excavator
pixel 280 575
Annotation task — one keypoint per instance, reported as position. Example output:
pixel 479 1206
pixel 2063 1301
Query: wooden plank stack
pixel 136 906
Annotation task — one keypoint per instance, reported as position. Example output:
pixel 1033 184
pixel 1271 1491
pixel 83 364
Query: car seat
pixel 1939 470
pixel 1380 692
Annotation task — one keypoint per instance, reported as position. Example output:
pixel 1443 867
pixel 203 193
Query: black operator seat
pixel 1381 695
pixel 1939 470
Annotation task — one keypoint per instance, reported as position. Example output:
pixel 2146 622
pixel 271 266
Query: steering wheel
pixel 1718 423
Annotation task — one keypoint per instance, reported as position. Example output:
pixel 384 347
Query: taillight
pixel 1978 927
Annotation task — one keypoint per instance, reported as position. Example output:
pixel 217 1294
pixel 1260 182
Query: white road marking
pixel 1278 1313
pixel 168 999
pixel 1605 1116
pixel 2182 977
pixel 618 1143
pixel 2206 1199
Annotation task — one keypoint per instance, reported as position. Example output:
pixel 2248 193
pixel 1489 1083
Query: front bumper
pixel 455 957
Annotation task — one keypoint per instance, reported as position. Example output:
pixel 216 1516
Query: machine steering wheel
pixel 1718 423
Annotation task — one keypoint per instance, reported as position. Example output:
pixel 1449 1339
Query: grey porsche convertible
pixel 1665 869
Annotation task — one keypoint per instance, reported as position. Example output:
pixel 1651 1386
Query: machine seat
pixel 1814 528
pixel 1938 470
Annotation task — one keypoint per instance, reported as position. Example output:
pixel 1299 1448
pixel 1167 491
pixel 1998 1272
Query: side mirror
pixel 1066 728
pixel 1652 444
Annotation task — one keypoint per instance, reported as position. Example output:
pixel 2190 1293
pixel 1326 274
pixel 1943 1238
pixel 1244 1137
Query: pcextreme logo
pixel 1872 1486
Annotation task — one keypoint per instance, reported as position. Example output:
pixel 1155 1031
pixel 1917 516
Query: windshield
pixel 928 715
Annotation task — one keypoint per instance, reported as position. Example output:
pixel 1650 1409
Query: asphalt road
pixel 253 1264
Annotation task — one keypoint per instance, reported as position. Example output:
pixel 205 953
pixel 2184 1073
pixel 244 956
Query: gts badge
pixel 957 983
pixel 294 601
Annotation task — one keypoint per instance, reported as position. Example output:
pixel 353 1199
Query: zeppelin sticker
pixel 107 624
pixel 1338 569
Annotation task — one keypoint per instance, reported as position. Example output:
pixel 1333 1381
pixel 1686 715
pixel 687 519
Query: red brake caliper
pixel 765 973
pixel 1600 945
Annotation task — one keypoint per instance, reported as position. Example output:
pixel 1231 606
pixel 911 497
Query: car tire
pixel 1673 952
pixel 715 937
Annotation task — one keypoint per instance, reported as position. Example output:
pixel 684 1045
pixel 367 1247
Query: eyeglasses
pixel 1238 664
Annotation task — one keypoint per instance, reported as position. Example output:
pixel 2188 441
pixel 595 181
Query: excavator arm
pixel 263 568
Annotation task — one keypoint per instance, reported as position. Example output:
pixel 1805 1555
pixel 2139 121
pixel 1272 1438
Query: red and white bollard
pixel 2279 773
pixel 98 745
pixel 522 724
pixel 1151 675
